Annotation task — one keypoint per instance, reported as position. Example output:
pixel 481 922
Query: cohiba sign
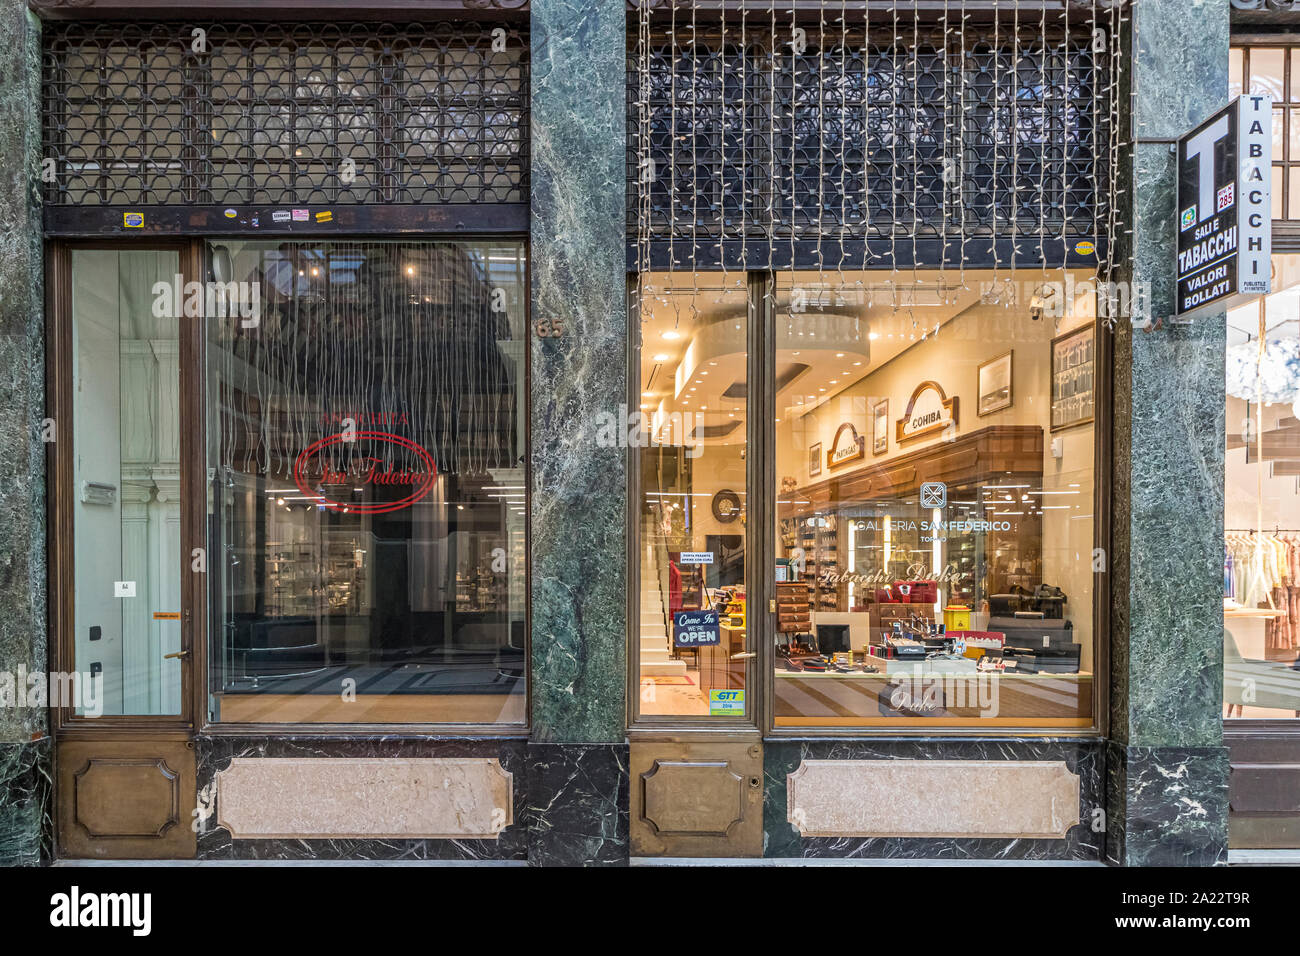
pixel 1225 207
pixel 928 410
pixel 847 446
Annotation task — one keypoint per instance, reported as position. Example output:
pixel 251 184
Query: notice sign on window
pixel 697 557
pixel 695 629
pixel 726 703
pixel 1225 207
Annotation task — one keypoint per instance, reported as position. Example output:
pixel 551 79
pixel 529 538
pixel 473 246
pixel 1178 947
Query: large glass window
pixel 1261 558
pixel 1275 71
pixel 366 466
pixel 694 637
pixel 934 518
pixel 126 502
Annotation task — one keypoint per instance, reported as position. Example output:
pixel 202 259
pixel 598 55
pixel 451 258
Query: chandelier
pixel 1273 376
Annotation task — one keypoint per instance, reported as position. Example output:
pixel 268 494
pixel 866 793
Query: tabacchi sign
pixel 314 473
pixel 1225 207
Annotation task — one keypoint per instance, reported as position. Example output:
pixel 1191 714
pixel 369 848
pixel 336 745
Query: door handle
pixel 179 655
pixel 743 655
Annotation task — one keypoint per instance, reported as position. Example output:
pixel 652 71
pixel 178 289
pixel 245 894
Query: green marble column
pixel 24 744
pixel 579 491
pixel 1167 764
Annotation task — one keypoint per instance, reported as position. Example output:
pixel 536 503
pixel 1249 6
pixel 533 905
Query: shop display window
pixel 367 482
pixel 1261 556
pixel 928 476
pixel 935 460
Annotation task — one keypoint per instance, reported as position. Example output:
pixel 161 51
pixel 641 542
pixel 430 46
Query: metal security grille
pixel 171 114
pixel 863 132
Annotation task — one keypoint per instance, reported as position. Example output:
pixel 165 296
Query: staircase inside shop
pixel 656 640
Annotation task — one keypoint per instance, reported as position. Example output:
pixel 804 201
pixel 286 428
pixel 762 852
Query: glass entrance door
pixel 127 569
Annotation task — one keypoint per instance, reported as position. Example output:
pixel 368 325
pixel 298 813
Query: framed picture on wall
pixel 994 385
pixel 880 427
pixel 1073 378
pixel 815 460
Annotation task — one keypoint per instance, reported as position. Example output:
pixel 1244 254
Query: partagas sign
pixel 1225 207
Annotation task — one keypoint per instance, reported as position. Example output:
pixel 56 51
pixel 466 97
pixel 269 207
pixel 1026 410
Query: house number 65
pixel 549 329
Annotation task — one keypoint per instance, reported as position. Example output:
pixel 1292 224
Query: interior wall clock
pixel 726 506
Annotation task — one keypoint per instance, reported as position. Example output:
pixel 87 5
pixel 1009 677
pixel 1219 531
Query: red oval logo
pixel 422 482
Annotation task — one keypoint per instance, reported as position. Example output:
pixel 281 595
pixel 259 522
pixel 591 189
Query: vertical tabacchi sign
pixel 1225 207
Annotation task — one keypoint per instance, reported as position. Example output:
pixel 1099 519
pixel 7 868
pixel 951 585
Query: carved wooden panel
pixel 703 798
pixel 125 799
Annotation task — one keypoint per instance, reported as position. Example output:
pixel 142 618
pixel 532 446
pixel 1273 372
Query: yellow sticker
pixel 326 216
pixel 1085 248
pixel 166 615
pixel 133 220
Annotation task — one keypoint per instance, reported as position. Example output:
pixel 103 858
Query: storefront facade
pixel 560 436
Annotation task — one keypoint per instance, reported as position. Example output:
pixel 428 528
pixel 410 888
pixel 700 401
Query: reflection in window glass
pixel 934 525
pixel 367 482
pixel 691 432
pixel 127 507
pixel 1266 73
pixel 1261 558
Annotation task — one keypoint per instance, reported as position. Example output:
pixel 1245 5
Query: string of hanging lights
pixel 962 136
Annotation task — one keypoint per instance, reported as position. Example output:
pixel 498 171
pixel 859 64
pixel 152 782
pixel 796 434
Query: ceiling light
pixel 873 336
pixel 834 381
pixel 839 355
pixel 670 335
pixel 857 363
pixel 661 357
pixel 647 394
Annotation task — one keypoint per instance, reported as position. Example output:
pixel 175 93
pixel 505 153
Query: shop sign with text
pixel 847 446
pixel 929 410
pixel 1225 208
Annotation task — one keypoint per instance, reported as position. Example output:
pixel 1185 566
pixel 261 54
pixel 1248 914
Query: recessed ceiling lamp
pixel 662 357
pixel 671 335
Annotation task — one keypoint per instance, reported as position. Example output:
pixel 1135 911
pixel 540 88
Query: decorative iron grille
pixel 874 130
pixel 173 114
